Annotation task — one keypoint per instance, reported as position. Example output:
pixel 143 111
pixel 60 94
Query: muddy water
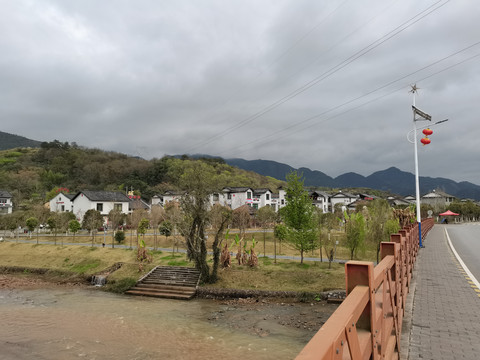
pixel 88 324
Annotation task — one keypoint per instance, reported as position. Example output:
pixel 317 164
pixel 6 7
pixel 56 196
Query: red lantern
pixel 427 132
pixel 425 141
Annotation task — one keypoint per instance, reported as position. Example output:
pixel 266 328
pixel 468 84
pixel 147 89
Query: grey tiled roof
pixel 261 191
pixel 5 194
pixel 104 196
pixel 236 189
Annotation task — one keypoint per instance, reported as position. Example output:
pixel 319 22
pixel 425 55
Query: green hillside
pixel 29 174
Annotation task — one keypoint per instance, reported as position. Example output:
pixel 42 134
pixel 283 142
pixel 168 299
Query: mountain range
pixel 392 179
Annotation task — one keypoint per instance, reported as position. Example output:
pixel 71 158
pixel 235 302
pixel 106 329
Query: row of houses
pixel 233 197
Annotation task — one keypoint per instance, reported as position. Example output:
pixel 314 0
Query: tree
pixel 355 232
pixel 165 229
pixel 378 213
pixel 63 220
pixel 134 220
pixel 241 219
pixel 174 214
pixel 12 222
pixel 52 224
pixel 32 223
pixel 92 220
pixel 280 233
pixel 142 253
pixel 157 215
pixel 220 217
pixel 197 181
pixel 266 217
pixel 299 216
pixel 74 226
pixel 116 218
pixel 329 221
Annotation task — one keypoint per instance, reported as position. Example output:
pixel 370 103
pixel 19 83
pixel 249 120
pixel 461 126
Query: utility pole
pixel 423 116
pixel 418 115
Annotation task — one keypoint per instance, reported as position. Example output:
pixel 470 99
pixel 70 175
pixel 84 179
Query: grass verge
pixel 82 262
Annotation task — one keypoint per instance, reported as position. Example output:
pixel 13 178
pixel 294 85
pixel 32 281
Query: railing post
pixel 361 273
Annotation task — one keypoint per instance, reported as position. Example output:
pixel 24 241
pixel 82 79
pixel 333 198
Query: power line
pixel 399 29
pixel 264 140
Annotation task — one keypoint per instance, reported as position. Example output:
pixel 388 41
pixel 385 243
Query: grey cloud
pixel 156 78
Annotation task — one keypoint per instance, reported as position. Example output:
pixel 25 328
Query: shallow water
pixel 90 324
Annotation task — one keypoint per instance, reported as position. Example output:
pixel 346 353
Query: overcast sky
pixel 309 83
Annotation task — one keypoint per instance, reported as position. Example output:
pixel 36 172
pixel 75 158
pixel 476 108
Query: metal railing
pixel 368 324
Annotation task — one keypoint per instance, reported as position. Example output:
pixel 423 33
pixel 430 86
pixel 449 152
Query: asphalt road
pixel 466 241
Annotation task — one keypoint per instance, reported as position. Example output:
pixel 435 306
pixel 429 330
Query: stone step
pixel 168 282
pixel 161 294
pixel 180 289
pixel 165 282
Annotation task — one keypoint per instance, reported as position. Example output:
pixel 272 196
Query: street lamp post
pixel 418 115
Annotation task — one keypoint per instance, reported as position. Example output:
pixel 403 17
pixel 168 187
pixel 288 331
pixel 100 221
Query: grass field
pixel 85 261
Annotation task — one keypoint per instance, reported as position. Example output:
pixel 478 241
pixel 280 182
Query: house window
pixel 229 196
pixel 267 196
pixel 215 197
pixel 249 194
pixel 100 207
pixel 255 206
pixel 117 207
pixel 283 202
pixel 63 208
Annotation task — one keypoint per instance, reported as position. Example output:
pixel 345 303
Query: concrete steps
pixel 172 282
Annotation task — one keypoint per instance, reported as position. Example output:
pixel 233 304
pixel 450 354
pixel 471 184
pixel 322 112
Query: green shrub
pixel 121 285
pixel 119 236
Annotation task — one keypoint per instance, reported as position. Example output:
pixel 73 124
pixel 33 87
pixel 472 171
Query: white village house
pixel 234 197
pixel 102 201
pixel 62 202
pixel 5 202
pixel 342 198
pixel 320 200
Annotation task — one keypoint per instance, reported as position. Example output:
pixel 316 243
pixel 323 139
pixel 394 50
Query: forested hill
pixel 10 141
pixel 31 174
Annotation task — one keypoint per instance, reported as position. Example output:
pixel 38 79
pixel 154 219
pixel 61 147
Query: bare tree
pixel 157 215
pixel 241 219
pixel 116 218
pixel 134 220
pixel 266 217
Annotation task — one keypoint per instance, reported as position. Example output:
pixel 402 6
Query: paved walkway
pixel 446 307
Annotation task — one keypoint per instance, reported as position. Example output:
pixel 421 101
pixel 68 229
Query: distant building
pixel 438 199
pixel 234 197
pixel 342 198
pixel 5 202
pixel 320 200
pixel 62 202
pixel 102 201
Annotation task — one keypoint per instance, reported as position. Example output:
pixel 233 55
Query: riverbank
pixel 75 263
pixel 33 281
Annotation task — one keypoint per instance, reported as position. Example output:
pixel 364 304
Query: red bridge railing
pixel 368 324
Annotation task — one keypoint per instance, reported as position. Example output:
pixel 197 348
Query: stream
pixel 83 323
